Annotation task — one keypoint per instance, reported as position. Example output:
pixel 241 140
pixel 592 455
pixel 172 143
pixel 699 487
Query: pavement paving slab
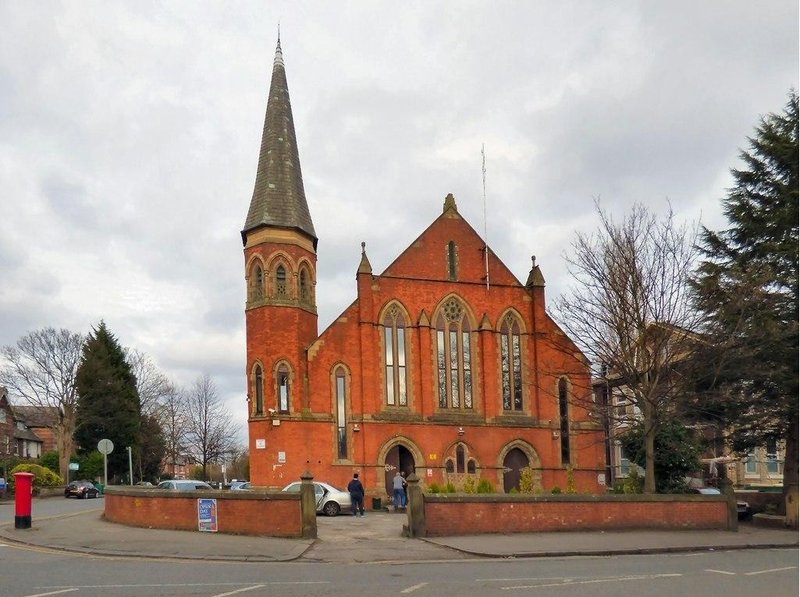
pixel 376 537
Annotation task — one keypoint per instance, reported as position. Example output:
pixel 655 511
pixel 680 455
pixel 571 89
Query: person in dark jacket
pixel 356 490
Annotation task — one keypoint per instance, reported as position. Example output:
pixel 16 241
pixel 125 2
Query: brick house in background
pixel 41 420
pixel 433 368
pixel 16 439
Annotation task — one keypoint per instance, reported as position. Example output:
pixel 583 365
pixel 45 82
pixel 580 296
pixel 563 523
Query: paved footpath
pixel 374 538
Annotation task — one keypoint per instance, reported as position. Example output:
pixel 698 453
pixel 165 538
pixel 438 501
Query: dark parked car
pixel 81 490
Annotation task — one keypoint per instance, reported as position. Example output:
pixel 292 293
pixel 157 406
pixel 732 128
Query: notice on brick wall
pixel 207 515
pixel 261 444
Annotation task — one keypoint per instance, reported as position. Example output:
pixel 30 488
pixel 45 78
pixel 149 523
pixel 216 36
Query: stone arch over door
pixel 398 453
pixel 512 459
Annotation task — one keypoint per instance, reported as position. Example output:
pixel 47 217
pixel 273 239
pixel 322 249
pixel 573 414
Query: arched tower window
pixel 454 356
pixel 511 363
pixel 281 288
pixel 395 357
pixel 305 291
pixel 563 413
pixel 341 412
pixel 256 282
pixel 283 389
pixel 452 261
pixel 259 383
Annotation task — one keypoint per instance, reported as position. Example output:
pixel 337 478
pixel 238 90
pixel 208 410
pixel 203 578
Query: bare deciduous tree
pixel 630 311
pixel 41 370
pixel 151 383
pixel 210 433
pixel 173 418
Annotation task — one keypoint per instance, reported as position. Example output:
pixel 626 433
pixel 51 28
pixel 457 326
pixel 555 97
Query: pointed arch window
pixel 563 412
pixel 454 356
pixel 395 357
pixel 511 363
pixel 341 412
pixel 259 383
pixel 283 382
pixel 305 292
pixel 281 288
pixel 257 283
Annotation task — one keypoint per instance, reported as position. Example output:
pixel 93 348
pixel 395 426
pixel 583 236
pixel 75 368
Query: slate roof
pixel 37 416
pixel 278 197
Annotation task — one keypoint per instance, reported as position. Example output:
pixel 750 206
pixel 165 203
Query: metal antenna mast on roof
pixel 485 233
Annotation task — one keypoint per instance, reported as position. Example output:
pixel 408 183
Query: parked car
pixel 81 490
pixel 183 485
pixel 330 501
pixel 240 486
pixel 742 507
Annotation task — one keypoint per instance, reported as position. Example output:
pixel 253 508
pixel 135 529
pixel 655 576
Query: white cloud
pixel 129 137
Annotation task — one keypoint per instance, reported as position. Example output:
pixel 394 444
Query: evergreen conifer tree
pixel 748 287
pixel 108 402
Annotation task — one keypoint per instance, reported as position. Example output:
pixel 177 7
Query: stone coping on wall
pixel 228 494
pixel 571 497
pixel 255 512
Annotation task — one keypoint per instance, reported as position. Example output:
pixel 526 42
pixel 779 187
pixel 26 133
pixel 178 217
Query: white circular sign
pixel 105 446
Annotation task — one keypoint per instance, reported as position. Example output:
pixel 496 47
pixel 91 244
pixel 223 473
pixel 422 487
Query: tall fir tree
pixel 748 287
pixel 108 402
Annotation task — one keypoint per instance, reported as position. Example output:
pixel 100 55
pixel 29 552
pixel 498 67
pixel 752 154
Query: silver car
pixel 330 501
pixel 183 485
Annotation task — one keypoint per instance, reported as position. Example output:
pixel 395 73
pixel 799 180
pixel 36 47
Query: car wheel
pixel 330 509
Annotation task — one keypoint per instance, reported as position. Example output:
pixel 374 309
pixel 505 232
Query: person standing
pixel 356 490
pixel 397 489
pixel 405 489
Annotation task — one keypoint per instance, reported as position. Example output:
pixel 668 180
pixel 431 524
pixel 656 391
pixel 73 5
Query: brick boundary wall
pixel 457 514
pixel 260 513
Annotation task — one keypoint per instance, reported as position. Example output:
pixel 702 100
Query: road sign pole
pixel 130 466
pixel 105 470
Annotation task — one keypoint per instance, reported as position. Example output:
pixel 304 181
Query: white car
pixel 330 501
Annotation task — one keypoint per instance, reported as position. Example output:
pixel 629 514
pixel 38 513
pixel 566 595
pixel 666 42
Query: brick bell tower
pixel 280 254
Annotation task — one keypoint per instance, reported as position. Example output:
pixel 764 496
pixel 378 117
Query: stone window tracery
pixel 511 363
pixel 454 356
pixel 395 357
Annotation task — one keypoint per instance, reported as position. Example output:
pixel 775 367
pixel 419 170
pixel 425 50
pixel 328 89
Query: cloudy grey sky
pixel 130 131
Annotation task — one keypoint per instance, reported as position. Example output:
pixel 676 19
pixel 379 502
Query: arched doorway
pixel 398 457
pixel 513 463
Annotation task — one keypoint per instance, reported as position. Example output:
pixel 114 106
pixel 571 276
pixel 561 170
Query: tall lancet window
pixel 452 261
pixel 454 356
pixel 563 412
pixel 259 383
pixel 281 288
pixel 283 380
pixel 341 412
pixel 511 363
pixel 395 357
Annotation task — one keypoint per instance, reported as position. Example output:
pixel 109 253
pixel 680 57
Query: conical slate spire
pixel 278 197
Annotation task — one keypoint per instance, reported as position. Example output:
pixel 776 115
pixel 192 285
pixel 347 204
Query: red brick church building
pixel 430 369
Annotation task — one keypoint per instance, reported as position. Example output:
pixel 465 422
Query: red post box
pixel 24 496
